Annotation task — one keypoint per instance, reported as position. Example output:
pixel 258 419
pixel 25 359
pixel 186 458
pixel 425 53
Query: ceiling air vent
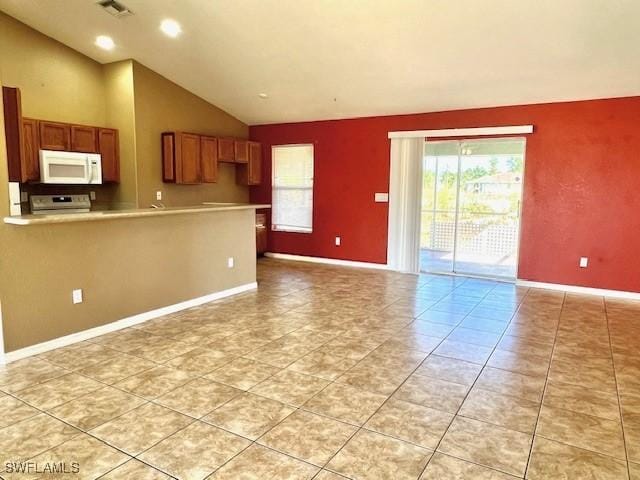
pixel 114 8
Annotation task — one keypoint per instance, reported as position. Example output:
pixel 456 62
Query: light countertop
pixel 134 213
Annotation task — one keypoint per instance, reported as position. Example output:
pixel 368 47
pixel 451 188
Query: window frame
pixel 292 229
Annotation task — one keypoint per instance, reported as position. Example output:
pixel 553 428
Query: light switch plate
pixel 76 296
pixel 381 197
pixel 159 195
pixel 92 195
pixel 230 262
pixel 338 240
pixel 584 261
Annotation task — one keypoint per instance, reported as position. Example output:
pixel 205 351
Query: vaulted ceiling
pixel 325 59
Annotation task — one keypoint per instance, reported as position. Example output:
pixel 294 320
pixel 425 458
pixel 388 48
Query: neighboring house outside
pixel 499 183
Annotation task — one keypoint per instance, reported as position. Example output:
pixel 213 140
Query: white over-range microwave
pixel 70 167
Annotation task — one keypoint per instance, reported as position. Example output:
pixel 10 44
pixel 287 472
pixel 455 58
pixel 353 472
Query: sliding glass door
pixel 471 197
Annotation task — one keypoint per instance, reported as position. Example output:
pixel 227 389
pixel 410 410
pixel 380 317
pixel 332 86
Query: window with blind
pixel 292 188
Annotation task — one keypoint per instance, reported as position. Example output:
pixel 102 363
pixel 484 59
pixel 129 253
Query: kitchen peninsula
pixel 131 265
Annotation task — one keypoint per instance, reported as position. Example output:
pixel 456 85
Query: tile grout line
pixel 297 408
pixel 615 378
pixel 470 389
pixel 146 401
pixel 361 427
pixel 358 427
pixel 544 390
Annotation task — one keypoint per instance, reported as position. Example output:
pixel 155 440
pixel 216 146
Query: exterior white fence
pixel 487 233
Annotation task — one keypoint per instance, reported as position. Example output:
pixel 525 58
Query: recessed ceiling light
pixel 105 42
pixel 171 27
pixel 263 95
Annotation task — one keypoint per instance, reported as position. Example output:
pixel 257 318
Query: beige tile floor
pixel 333 373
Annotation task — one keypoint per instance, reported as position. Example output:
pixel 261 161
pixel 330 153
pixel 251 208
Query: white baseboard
pixel 123 323
pixel 327 261
pixel 600 292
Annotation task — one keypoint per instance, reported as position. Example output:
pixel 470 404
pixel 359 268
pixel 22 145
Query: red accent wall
pixel 581 187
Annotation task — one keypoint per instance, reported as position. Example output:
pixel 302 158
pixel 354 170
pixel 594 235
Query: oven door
pixel 64 167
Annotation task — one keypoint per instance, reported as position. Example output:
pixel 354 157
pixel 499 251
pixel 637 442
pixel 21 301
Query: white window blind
pixel 292 188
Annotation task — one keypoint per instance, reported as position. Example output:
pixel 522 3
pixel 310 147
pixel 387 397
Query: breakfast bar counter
pixel 133 213
pixel 132 265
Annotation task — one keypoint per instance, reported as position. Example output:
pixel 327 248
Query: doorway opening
pixel 471 204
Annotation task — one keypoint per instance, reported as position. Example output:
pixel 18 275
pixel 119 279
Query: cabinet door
pixel 21 136
pixel 255 163
pixel 54 136
pixel 169 157
pixel 226 150
pixel 31 160
pixel 109 149
pixel 261 239
pixel 241 148
pixel 250 173
pixel 12 106
pixel 188 168
pixel 209 153
pixel 84 139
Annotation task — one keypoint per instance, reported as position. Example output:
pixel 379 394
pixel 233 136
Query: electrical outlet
pixel 76 296
pixel 584 261
pixel 381 197
pixel 337 241
pixel 159 195
pixel 230 262
pixel 92 195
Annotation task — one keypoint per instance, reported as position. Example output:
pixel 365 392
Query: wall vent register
pixel 114 8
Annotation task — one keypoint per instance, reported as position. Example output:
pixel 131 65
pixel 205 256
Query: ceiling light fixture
pixel 105 42
pixel 171 28
pixel 263 95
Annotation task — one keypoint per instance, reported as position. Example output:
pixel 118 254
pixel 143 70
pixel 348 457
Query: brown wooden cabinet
pixel 241 151
pixel 261 233
pixel 189 158
pixel 108 147
pixel 12 108
pixel 25 138
pixel 54 135
pixel 31 149
pixel 209 159
pixel 84 139
pixel 226 150
pixel 168 157
pixel 21 136
pixel 181 158
pixel 251 172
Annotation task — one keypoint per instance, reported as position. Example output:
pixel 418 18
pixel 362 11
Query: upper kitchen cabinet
pixel 226 150
pixel 21 139
pixel 209 159
pixel 241 151
pixel 31 165
pixel 109 150
pixel 25 137
pixel 181 158
pixel 189 158
pixel 84 139
pixel 54 135
pixel 251 172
